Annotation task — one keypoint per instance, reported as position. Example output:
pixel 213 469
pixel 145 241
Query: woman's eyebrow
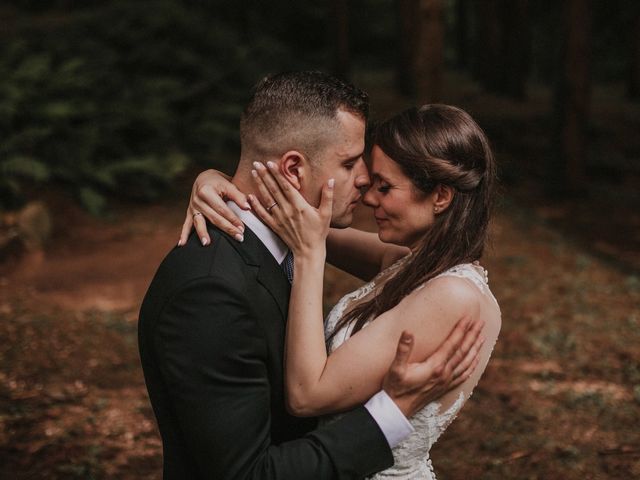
pixel 379 176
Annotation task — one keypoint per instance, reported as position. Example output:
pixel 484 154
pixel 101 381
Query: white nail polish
pixel 204 241
pixel 256 165
pixel 239 237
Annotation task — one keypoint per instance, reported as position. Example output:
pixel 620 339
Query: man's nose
pixel 362 175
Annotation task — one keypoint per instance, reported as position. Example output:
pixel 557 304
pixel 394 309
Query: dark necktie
pixel 287 266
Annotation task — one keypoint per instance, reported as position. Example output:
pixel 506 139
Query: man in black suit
pixel 212 324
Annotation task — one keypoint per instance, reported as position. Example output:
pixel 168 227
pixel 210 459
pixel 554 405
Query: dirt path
pixel 560 399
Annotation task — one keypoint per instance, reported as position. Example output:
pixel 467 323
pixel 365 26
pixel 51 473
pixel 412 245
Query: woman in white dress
pixel 432 174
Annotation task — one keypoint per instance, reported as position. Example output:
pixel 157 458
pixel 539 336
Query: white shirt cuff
pixel 390 419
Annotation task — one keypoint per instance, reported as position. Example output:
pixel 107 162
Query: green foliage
pixel 121 98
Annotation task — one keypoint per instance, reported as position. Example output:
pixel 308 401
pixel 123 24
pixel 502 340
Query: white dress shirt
pixel 385 412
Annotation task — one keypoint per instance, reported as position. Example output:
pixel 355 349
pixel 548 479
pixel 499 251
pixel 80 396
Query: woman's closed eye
pixel 384 187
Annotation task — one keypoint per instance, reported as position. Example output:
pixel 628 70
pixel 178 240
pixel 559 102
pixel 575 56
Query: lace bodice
pixel 411 457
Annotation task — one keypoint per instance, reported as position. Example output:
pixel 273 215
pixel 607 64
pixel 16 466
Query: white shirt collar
pixel 274 244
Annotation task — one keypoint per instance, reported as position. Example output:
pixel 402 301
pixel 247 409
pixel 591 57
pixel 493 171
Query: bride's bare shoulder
pixel 453 293
pixel 449 298
pixel 431 311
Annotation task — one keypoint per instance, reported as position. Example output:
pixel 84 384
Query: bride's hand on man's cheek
pixel 209 194
pixel 281 207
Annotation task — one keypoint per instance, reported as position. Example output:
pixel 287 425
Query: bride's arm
pixel 317 383
pixel 359 253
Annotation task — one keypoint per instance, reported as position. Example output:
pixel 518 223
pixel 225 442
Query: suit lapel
pixel 270 274
pixel 272 278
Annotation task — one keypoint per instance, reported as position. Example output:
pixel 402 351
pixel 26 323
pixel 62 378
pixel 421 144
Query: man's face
pixel 343 161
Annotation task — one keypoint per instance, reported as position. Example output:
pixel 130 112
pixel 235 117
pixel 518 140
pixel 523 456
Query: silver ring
pixel 269 208
pixel 195 215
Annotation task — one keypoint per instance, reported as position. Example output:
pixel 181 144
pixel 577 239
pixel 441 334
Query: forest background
pixel 109 108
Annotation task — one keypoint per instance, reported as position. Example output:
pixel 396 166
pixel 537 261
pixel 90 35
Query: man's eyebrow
pixel 354 158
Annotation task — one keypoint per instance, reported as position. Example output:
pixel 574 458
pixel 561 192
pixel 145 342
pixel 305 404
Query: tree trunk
pixel 462 29
pixel 429 62
pixel 339 31
pixel 406 15
pixel 502 46
pixel 486 67
pixel 634 64
pixel 516 48
pixel 573 96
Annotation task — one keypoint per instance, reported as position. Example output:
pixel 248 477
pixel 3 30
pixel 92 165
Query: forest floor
pixel 560 398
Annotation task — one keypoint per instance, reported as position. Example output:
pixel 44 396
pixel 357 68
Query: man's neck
pixel 244 183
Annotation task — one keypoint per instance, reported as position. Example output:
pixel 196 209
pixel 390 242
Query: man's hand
pixel 208 195
pixel 413 385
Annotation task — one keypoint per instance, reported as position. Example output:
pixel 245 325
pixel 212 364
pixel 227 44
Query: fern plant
pixel 121 99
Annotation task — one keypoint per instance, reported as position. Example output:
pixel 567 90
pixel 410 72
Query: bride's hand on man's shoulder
pixel 209 194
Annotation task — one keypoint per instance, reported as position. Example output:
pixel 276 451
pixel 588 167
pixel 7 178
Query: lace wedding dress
pixel 411 457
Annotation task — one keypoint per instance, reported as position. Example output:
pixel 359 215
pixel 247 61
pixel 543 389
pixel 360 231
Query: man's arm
pixel 212 355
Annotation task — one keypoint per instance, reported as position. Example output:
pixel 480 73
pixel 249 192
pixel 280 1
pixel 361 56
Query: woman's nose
pixel 369 198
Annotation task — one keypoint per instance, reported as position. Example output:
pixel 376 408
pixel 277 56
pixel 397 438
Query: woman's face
pixel 402 212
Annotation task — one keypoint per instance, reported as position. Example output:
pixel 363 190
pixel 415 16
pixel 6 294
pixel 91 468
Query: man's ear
pixel 294 167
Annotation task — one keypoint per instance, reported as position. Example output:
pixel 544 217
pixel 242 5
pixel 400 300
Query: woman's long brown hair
pixel 436 145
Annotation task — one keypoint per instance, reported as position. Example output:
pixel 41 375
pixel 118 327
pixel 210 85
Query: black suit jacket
pixel 211 338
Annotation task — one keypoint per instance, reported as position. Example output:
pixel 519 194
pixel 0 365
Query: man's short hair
pixel 296 111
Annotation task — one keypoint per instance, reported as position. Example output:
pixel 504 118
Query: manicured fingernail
pixel 256 165
pixel 270 164
pixel 254 173
pixel 204 241
pixel 239 237
pixel 331 182
pixel 247 206
pixel 180 242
